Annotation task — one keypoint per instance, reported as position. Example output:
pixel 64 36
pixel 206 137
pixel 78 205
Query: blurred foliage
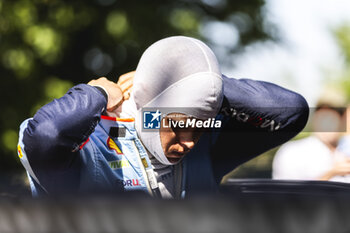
pixel 342 35
pixel 47 46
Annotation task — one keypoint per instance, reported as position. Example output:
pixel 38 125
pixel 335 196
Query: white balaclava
pixel 176 72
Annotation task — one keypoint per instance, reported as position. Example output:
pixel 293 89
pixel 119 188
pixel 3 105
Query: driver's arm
pixel 257 116
pixel 49 141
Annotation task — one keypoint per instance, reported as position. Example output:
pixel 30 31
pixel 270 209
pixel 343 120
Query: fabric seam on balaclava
pixel 180 81
pixel 204 53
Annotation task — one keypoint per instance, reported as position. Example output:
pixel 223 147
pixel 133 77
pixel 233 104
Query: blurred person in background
pixel 92 139
pixel 320 156
pixel 344 142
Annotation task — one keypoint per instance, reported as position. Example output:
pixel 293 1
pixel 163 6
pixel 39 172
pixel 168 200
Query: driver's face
pixel 176 141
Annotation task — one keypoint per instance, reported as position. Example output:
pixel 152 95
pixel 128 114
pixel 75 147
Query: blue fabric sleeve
pixel 257 116
pixel 52 137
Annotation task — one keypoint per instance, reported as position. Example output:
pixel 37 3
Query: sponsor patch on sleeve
pixel 19 151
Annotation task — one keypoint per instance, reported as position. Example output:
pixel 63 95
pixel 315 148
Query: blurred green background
pixel 47 46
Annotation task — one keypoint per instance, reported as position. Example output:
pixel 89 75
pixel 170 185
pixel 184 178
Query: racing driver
pixel 105 136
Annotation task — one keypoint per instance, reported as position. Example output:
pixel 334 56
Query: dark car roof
pixel 285 187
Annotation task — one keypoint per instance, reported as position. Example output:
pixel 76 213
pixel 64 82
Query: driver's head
pixel 177 75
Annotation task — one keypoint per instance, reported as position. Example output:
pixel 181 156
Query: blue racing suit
pixel 70 146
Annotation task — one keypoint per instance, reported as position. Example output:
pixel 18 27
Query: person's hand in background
pixel 339 168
